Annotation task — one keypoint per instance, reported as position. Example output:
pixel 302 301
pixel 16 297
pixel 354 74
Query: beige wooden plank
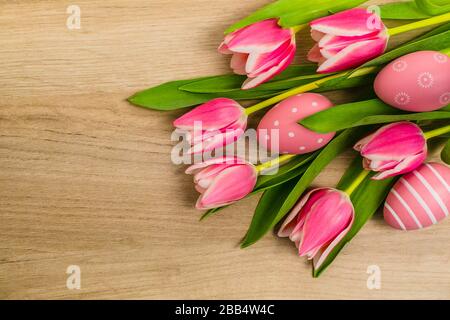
pixel 86 178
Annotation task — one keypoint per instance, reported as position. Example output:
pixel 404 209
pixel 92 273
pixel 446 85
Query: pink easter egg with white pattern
pixel 416 82
pixel 420 198
pixel 280 124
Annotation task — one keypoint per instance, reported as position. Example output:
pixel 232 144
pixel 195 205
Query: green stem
pixel 420 24
pixel 274 162
pixel 436 132
pixel 355 184
pixel 304 88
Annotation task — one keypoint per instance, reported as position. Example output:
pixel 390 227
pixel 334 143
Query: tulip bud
pixel 393 150
pixel 222 181
pixel 214 124
pixel 319 222
pixel 347 39
pixel 261 51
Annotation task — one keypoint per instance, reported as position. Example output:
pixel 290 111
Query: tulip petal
pixel 259 62
pixel 199 189
pixel 230 185
pixel 329 53
pixel 331 45
pixel 354 55
pixel 290 223
pixel 220 138
pixel 223 49
pixel 204 177
pixel 340 42
pixel 260 37
pixel 324 252
pixel 238 62
pixel 197 136
pixel 327 218
pixel 317 35
pixel 381 165
pixel 264 48
pixel 195 168
pixel 353 22
pixel 407 165
pixel 213 115
pixel 269 74
pixel 297 234
pixel 298 213
pixel 393 142
pixel 361 143
pixel 314 55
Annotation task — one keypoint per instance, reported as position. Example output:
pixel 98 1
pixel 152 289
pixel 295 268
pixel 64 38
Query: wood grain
pixel 86 179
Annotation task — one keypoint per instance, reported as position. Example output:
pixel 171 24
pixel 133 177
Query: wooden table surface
pixel 86 178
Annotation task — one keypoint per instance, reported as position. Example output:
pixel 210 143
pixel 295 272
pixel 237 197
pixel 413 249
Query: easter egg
pixel 280 128
pixel 420 198
pixel 416 82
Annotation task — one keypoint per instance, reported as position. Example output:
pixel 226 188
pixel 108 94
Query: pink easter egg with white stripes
pixel 416 82
pixel 279 127
pixel 420 198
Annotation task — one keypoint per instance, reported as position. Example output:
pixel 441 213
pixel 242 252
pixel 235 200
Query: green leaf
pixel 211 212
pixel 186 93
pixel 345 82
pixel 224 83
pixel 231 82
pixel 366 201
pixel 287 171
pixel 246 94
pixel 364 113
pixel 352 172
pixel 268 214
pixel 445 154
pixel 433 7
pixel 402 10
pixel 429 41
pixel 295 12
pixel 294 173
pixel 167 96
pixel 174 95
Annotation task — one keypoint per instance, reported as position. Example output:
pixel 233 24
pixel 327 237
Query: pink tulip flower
pixel 222 181
pixel 393 150
pixel 318 222
pixel 347 39
pixel 260 51
pixel 214 124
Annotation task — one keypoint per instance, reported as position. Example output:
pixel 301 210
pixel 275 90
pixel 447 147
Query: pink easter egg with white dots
pixel 280 125
pixel 420 198
pixel 416 82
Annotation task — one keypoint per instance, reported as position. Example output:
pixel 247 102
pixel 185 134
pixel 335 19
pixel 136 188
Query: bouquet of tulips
pixel 405 113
